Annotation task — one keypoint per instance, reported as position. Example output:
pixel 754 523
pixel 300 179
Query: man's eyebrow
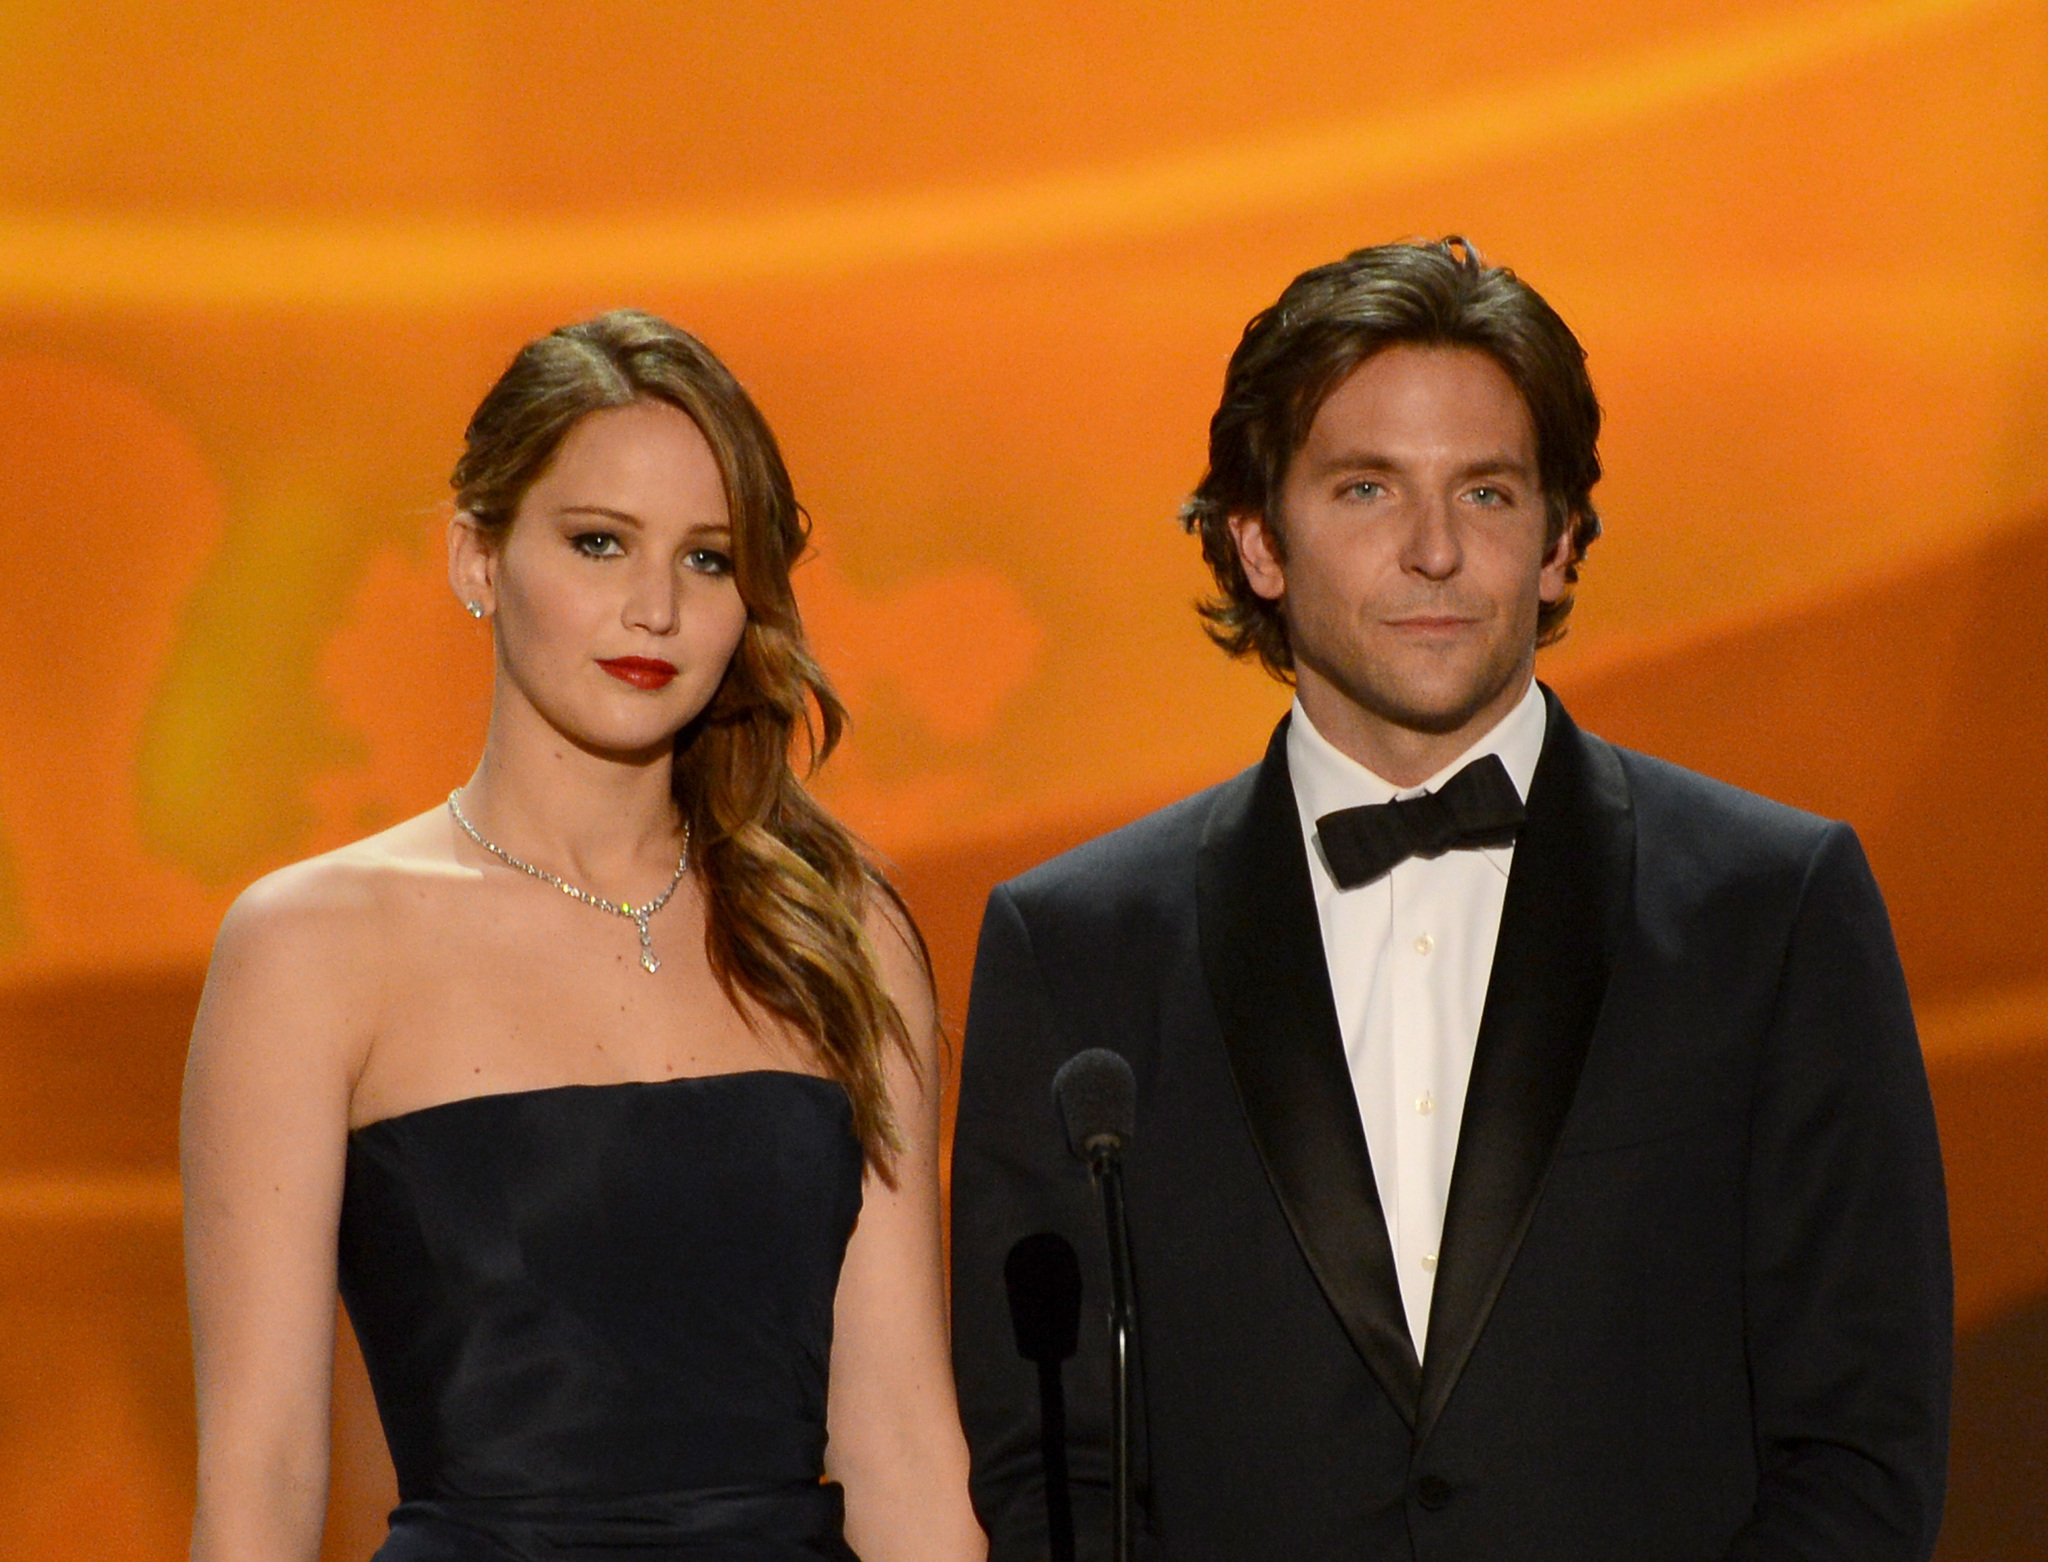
pixel 1500 464
pixel 1355 461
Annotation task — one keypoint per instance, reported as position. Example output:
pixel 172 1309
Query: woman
pixel 607 1094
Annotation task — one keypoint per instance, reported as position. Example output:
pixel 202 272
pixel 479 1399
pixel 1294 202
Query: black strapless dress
pixel 598 1318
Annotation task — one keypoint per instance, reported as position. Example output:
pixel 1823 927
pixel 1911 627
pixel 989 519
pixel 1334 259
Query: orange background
pixel 981 266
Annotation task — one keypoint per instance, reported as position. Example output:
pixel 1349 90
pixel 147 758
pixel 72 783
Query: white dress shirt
pixel 1409 956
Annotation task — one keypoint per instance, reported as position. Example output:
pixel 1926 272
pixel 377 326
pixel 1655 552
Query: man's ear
pixel 1555 580
pixel 1258 553
pixel 472 565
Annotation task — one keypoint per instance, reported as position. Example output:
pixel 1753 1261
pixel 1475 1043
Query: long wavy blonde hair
pixel 786 886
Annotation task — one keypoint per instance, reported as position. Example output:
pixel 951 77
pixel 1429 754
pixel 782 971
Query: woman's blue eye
pixel 709 561
pixel 596 545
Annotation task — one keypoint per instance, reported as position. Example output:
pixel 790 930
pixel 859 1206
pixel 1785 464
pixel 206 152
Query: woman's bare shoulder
pixel 904 965
pixel 300 988
pixel 337 913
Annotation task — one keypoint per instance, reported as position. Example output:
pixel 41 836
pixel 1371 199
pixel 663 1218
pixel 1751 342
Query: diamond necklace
pixel 637 915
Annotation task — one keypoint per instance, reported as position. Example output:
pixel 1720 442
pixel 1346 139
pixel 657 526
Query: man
pixel 1544 1169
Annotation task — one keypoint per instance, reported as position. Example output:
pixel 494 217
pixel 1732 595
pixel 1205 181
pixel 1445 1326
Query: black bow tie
pixel 1478 806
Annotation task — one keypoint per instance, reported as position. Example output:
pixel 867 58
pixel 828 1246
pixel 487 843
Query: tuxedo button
pixel 1433 1492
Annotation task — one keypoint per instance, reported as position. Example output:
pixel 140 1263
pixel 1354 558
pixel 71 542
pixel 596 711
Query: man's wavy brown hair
pixel 1329 321
pixel 786 886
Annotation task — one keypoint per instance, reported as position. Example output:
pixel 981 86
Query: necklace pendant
pixel 625 908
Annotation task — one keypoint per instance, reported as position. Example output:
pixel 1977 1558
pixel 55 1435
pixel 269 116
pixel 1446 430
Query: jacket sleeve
pixel 1013 1177
pixel 1848 1293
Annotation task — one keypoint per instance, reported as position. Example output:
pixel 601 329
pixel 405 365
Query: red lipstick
pixel 642 672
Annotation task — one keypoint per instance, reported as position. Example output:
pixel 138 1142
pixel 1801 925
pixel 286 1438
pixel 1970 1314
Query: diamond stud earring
pixel 475 609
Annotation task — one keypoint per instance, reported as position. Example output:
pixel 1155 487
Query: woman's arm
pixel 895 1440
pixel 278 1043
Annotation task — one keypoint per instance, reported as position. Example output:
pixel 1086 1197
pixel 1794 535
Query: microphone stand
pixel 1096 1095
pixel 1043 1278
pixel 1105 1163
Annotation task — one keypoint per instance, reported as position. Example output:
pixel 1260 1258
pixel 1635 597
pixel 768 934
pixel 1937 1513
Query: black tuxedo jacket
pixel 1693 1294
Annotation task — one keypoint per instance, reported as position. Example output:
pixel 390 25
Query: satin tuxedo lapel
pixel 1262 954
pixel 1567 909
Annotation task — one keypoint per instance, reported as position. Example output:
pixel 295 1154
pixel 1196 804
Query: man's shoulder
pixel 1150 859
pixel 1684 815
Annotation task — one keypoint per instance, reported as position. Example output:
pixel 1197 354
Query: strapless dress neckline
pixel 598 1317
pixel 571 1087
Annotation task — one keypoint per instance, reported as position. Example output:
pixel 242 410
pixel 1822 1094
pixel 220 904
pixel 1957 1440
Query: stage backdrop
pixel 981 264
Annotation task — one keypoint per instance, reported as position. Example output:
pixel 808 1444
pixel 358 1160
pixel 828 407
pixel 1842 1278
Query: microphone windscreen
pixel 1097 1097
pixel 1043 1276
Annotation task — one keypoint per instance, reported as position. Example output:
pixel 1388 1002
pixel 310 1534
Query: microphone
pixel 1097 1098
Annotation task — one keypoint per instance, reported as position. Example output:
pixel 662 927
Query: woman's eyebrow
pixel 603 511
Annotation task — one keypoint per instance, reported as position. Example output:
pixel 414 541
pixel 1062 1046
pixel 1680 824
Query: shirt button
pixel 1429 1262
pixel 1424 944
pixel 1425 1103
